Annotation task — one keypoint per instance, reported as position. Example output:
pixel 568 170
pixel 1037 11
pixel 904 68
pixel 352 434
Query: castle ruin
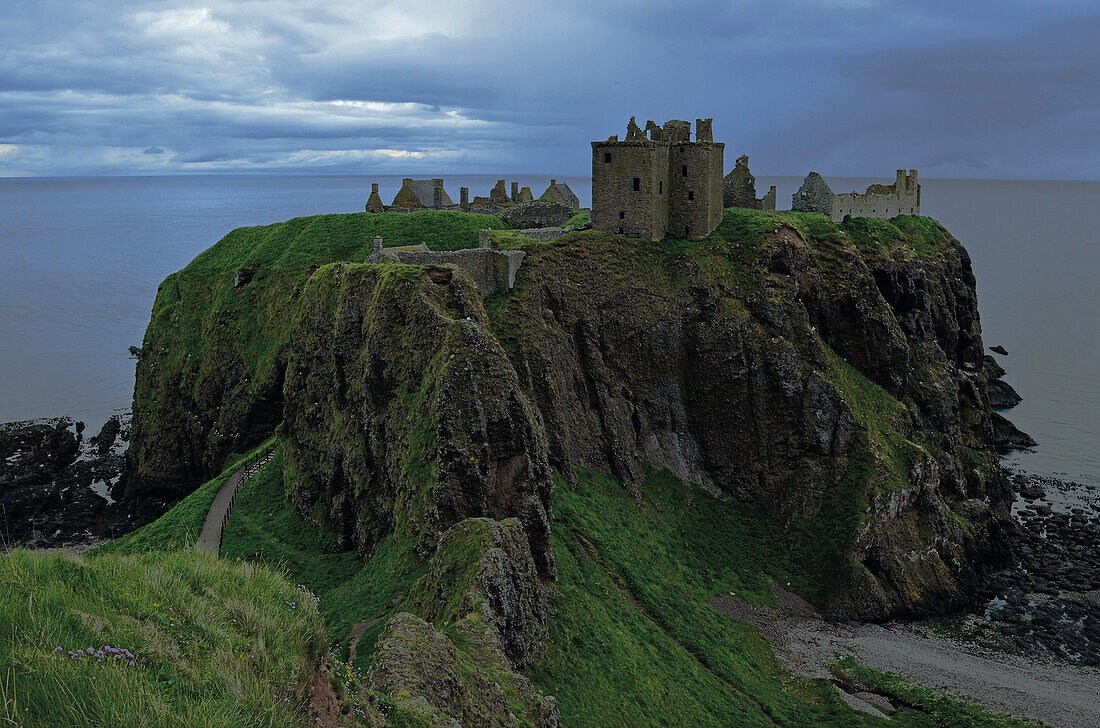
pixel 663 184
pixel 882 201
pixel 739 188
pixel 430 194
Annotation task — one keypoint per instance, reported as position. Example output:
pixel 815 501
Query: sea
pixel 82 258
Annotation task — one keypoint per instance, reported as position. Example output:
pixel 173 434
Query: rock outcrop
pixel 55 484
pixel 402 412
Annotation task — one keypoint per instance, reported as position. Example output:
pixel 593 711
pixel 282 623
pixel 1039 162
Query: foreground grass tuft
pixel 170 639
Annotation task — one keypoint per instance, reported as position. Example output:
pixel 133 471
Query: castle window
pixel 620 230
pixel 661 187
pixel 607 157
pixel 684 171
pixel 687 231
pixel 637 184
pixel 691 194
pixel 622 215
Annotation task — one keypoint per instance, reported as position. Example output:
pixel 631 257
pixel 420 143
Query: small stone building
pixel 560 192
pixel 739 188
pixel 663 184
pixel 421 193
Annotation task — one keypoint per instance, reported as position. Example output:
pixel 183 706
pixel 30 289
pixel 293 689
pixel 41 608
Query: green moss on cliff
pixel 219 328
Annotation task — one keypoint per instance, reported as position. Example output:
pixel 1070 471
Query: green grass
pixel 301 242
pixel 214 643
pixel 634 641
pixel 180 527
pixel 577 220
pixel 935 708
pixel 922 235
pixel 267 529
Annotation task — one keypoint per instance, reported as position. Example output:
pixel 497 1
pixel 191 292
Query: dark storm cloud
pixel 849 87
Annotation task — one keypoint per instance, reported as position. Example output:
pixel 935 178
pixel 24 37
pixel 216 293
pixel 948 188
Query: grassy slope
pixel 634 642
pixel 180 527
pixel 266 528
pixel 214 643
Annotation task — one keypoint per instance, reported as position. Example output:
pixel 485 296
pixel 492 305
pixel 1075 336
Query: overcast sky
pixel 957 88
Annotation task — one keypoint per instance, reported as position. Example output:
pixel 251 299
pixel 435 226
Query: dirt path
pixel 210 539
pixel 1058 694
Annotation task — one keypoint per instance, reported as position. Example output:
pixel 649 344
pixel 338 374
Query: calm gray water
pixel 83 258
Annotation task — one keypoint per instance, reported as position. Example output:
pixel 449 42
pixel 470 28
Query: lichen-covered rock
pixel 501 585
pixel 426 676
pixel 537 214
pixel 403 414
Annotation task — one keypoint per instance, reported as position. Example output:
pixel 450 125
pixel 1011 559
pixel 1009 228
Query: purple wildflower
pixel 131 663
pixel 90 651
pixel 57 649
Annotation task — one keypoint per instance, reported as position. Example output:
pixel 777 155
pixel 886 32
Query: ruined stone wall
pixel 883 201
pixel 494 271
pixel 739 186
pixel 695 181
pixel 767 202
pixel 630 188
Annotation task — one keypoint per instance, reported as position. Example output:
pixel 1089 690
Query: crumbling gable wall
pixel 739 188
pixel 813 196
pixel 560 192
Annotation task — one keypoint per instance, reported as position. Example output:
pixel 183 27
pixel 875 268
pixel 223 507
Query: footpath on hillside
pixel 210 539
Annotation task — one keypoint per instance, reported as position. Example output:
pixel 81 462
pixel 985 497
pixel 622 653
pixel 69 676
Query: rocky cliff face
pixel 403 414
pixel 830 378
pixel 837 388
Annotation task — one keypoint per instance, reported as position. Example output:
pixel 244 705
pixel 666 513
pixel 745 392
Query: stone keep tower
pixel 663 184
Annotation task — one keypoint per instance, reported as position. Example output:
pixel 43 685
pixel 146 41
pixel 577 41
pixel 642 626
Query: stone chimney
pixel 515 192
pixel 704 130
pixel 464 198
pixel 377 243
pixel 437 194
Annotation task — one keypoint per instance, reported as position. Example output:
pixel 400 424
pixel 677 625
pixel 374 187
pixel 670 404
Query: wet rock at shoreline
pixel 1008 437
pixel 1048 602
pixel 55 486
pixel 1001 393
